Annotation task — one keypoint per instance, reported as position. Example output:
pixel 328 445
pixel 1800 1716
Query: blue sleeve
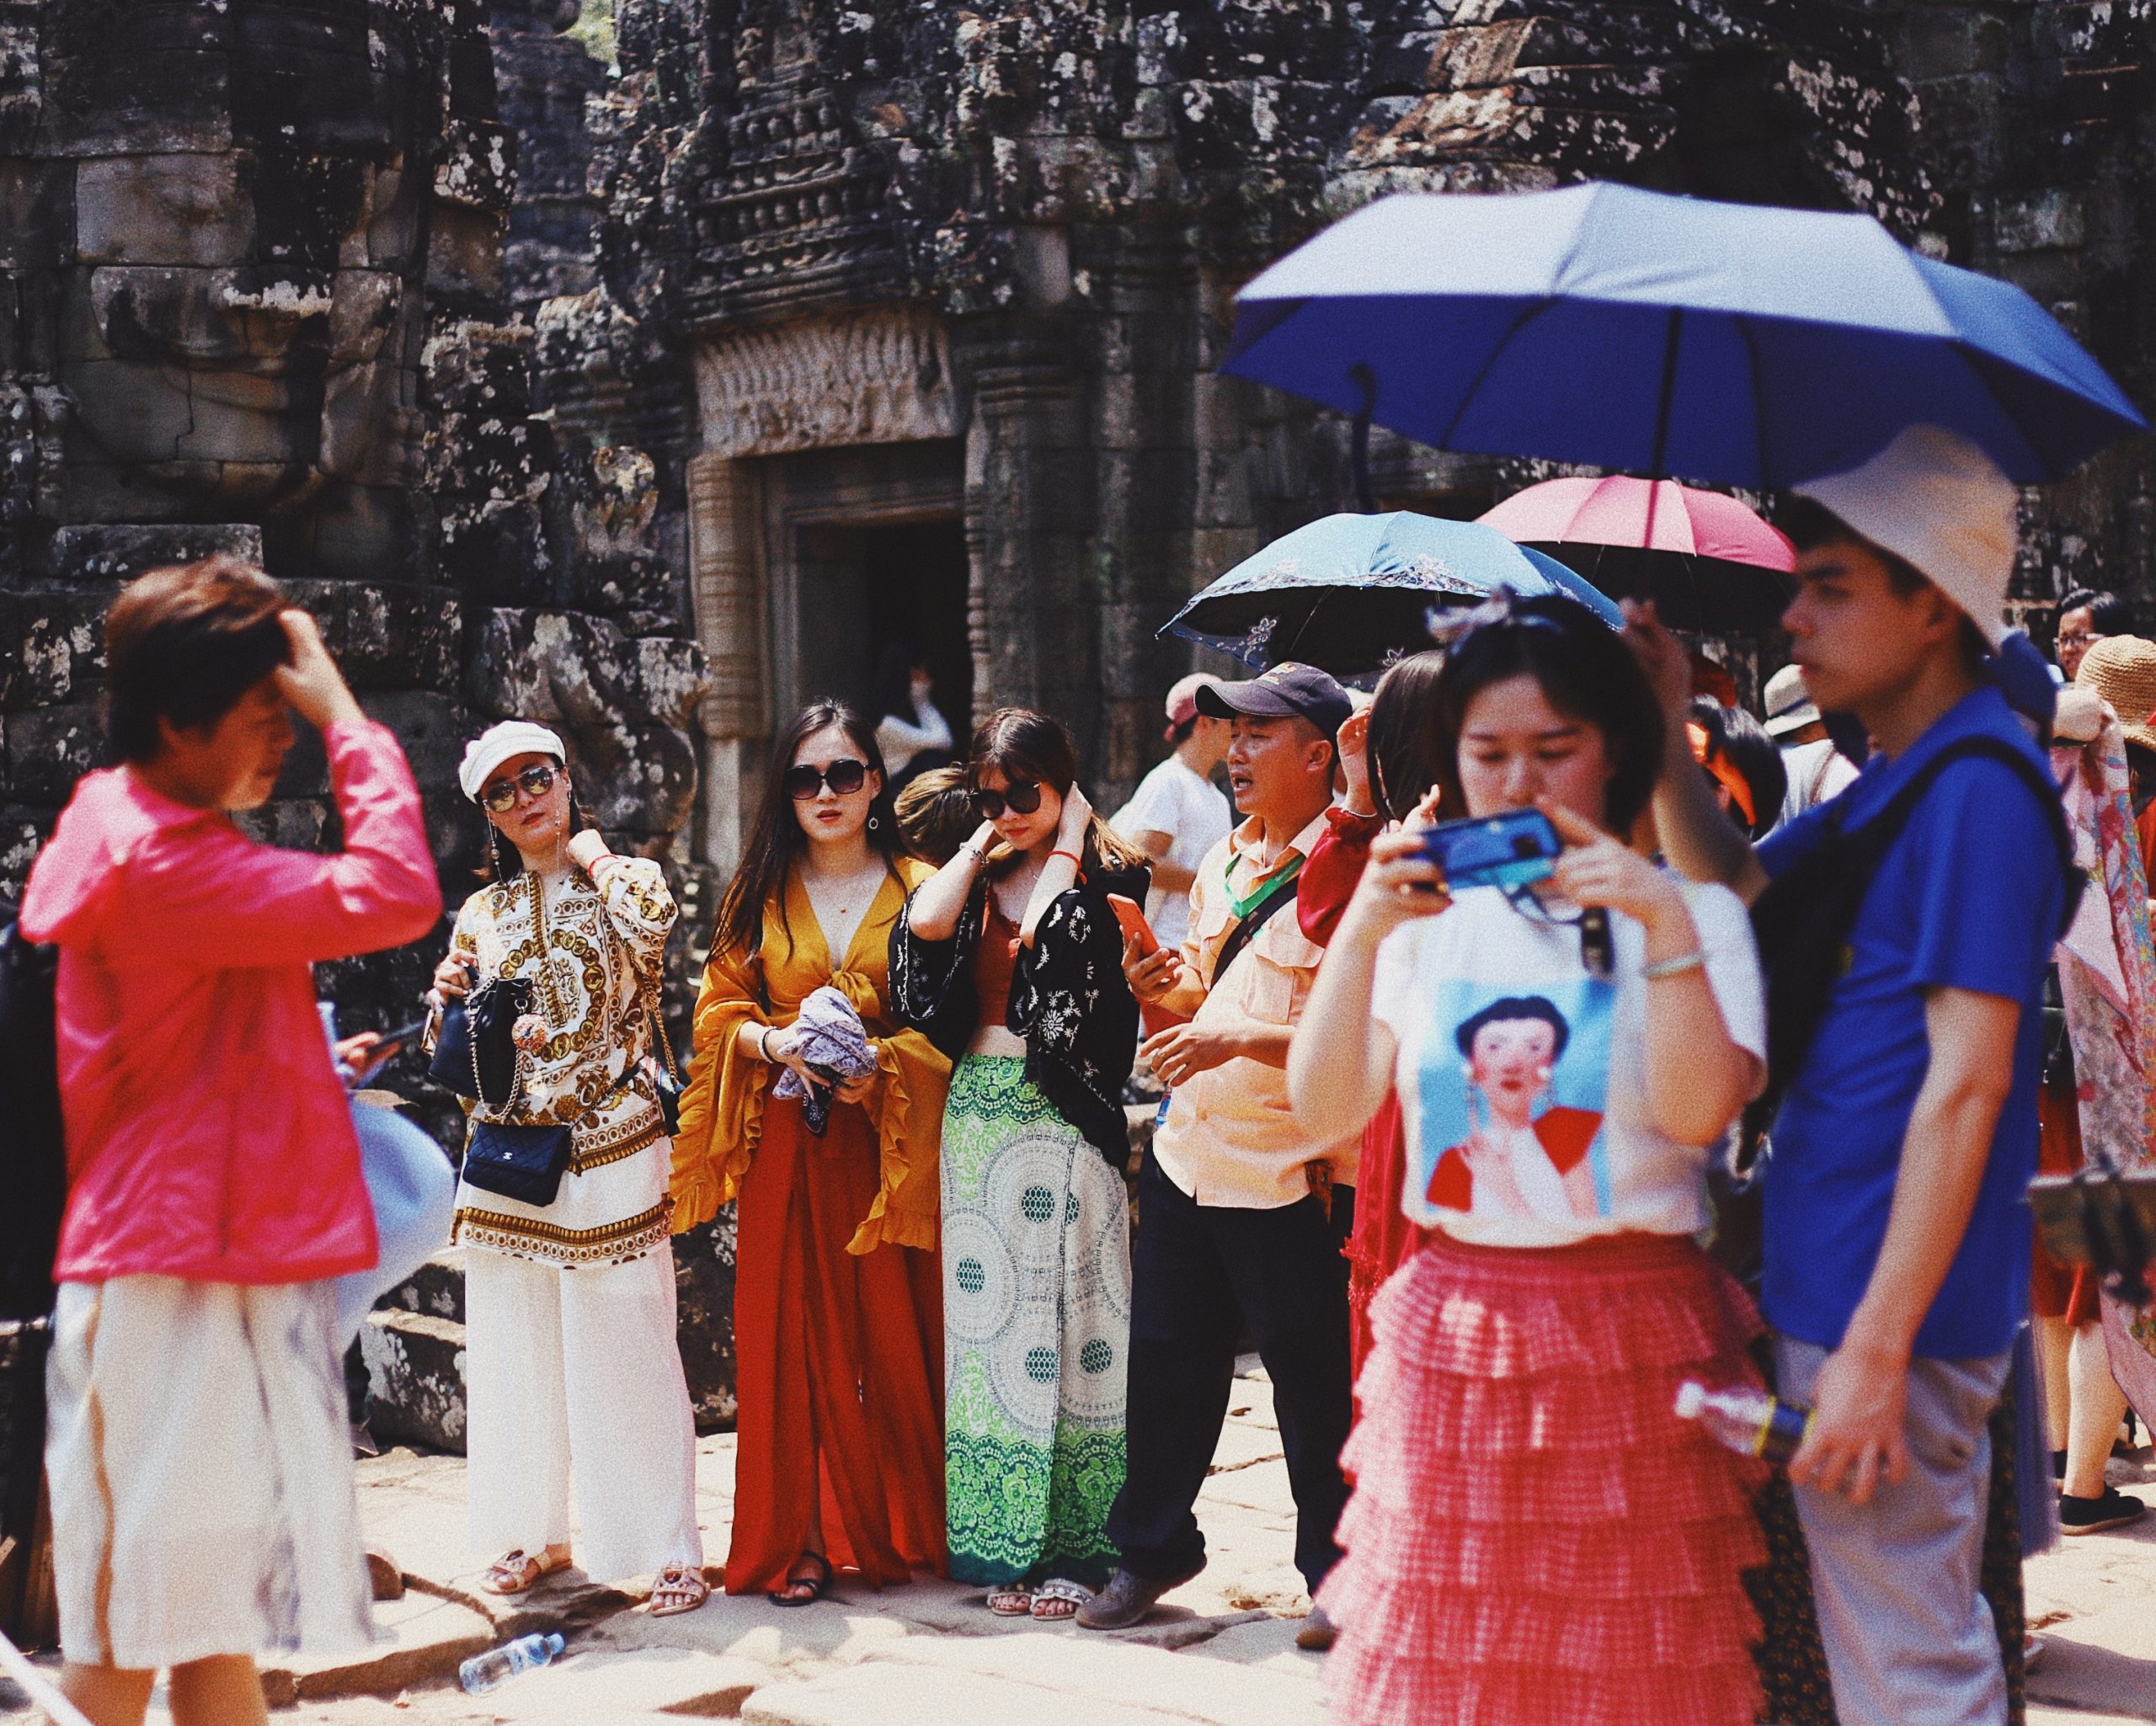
pixel 1791 842
pixel 1980 872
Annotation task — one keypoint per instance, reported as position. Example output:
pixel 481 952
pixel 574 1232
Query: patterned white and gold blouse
pixel 592 945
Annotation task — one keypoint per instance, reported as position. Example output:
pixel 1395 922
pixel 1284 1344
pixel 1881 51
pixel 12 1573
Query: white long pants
pixel 574 1374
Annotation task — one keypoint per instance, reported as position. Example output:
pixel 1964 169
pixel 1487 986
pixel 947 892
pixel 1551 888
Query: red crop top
pixel 995 959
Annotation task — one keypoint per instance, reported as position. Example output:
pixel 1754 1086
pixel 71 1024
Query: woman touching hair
pixel 1011 956
pixel 1561 1083
pixel 837 1315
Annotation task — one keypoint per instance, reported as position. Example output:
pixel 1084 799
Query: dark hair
pixel 1179 734
pixel 1515 1007
pixel 184 644
pixel 1585 671
pixel 2108 613
pixel 1402 747
pixel 1020 743
pixel 776 839
pixel 1809 523
pixel 1735 733
pixel 934 813
pixel 890 687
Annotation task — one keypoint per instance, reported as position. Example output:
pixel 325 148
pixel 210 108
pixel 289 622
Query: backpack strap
pixel 1885 827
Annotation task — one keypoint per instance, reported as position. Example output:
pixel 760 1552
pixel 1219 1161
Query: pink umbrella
pixel 1708 562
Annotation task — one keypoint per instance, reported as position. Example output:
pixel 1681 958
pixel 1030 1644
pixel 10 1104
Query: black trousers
pixel 1199 1273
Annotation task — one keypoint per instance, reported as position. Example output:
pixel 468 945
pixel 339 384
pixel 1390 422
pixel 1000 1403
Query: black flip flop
pixel 819 1585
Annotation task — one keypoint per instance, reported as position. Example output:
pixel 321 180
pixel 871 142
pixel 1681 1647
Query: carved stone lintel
pixel 729 609
pixel 880 375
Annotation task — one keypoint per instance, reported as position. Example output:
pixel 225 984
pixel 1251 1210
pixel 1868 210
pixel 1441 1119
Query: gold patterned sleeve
pixel 723 1103
pixel 633 891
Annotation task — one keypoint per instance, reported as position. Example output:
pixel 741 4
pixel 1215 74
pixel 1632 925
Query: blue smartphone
pixel 1511 850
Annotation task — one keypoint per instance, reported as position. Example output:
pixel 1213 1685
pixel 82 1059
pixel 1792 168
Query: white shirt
pixel 1173 800
pixel 1538 1134
pixel 1816 771
pixel 900 741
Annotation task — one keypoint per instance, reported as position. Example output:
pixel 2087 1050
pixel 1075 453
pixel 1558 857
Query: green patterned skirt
pixel 1037 1330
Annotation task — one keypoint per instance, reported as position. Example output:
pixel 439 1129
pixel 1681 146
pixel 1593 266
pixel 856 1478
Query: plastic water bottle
pixel 497 1665
pixel 1748 1421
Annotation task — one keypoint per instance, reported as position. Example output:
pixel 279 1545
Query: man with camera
pixel 1241 1218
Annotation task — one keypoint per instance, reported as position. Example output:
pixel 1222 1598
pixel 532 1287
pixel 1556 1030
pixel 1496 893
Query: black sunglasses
pixel 1021 795
pixel 845 778
pixel 500 797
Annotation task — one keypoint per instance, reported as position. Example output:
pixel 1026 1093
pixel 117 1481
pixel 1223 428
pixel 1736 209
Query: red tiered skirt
pixel 1535 1539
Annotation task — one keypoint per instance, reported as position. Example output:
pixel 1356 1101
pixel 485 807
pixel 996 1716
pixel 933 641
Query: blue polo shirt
pixel 1968 897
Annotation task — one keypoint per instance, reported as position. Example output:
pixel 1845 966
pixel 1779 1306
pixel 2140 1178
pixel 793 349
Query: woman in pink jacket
pixel 198 1457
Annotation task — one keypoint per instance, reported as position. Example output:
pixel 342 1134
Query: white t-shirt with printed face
pixel 1522 1077
pixel 1175 801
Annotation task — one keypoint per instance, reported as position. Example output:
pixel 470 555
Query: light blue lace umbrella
pixel 1351 594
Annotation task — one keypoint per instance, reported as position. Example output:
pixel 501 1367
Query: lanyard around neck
pixel 1282 874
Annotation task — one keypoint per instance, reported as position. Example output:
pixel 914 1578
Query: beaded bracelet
pixel 1694 961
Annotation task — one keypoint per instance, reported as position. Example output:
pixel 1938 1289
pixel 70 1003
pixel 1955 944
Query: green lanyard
pixel 1274 883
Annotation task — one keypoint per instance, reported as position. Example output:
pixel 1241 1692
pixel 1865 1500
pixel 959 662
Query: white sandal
pixel 1059 1591
pixel 677 1589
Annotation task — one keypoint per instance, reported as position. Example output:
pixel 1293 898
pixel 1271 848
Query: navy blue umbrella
pixel 1350 594
pixel 1735 343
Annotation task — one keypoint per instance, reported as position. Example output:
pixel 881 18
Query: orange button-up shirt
pixel 1230 1138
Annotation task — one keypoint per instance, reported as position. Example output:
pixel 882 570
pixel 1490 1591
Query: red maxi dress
pixel 838 1321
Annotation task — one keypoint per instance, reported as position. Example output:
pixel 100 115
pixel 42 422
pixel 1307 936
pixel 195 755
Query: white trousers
pixel 573 1373
pixel 201 1473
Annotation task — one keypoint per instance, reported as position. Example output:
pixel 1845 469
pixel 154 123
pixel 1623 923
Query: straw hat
pixel 2122 670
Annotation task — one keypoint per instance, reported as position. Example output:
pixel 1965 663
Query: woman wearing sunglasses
pixel 571 1364
pixel 837 1313
pixel 1012 957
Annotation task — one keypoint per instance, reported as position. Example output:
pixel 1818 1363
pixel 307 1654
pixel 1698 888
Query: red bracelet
pixel 1076 861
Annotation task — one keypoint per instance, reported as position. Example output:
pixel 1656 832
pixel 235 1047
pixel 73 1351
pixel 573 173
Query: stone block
pixel 388 637
pixel 703 1296
pixel 2046 221
pixel 48 749
pixel 177 208
pixel 435 1289
pixel 51 645
pixel 119 552
pixel 36 214
pixel 415 1378
pixel 420 1637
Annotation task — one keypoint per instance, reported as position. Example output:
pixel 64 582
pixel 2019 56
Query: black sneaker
pixel 2113 1510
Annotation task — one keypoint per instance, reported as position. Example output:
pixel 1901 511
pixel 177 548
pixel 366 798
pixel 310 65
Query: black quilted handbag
pixel 521 1162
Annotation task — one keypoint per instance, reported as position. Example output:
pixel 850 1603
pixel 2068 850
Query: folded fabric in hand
pixel 829 1036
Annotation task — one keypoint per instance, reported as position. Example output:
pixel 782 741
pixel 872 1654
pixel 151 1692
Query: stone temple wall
pixel 1017 226
pixel 268 277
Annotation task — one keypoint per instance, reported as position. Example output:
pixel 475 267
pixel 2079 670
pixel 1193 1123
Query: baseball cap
pixel 1789 705
pixel 1183 698
pixel 1289 688
pixel 1940 504
pixel 502 743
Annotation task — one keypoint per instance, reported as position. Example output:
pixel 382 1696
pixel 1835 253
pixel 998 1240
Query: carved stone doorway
pixel 865 547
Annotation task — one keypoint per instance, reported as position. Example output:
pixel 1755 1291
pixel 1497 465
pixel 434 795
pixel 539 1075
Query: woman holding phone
pixel 837 1303
pixel 574 1371
pixel 1011 957
pixel 1479 1582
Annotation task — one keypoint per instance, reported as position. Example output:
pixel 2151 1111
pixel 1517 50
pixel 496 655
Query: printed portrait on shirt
pixel 1514 1087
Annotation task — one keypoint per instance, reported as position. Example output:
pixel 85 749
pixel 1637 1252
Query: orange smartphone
pixel 1135 928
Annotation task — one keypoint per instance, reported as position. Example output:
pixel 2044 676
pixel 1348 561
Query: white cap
pixel 1936 501
pixel 503 742
pixel 1789 705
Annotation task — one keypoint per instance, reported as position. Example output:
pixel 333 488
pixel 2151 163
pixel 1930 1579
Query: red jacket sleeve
pixel 1334 868
pixel 215 896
